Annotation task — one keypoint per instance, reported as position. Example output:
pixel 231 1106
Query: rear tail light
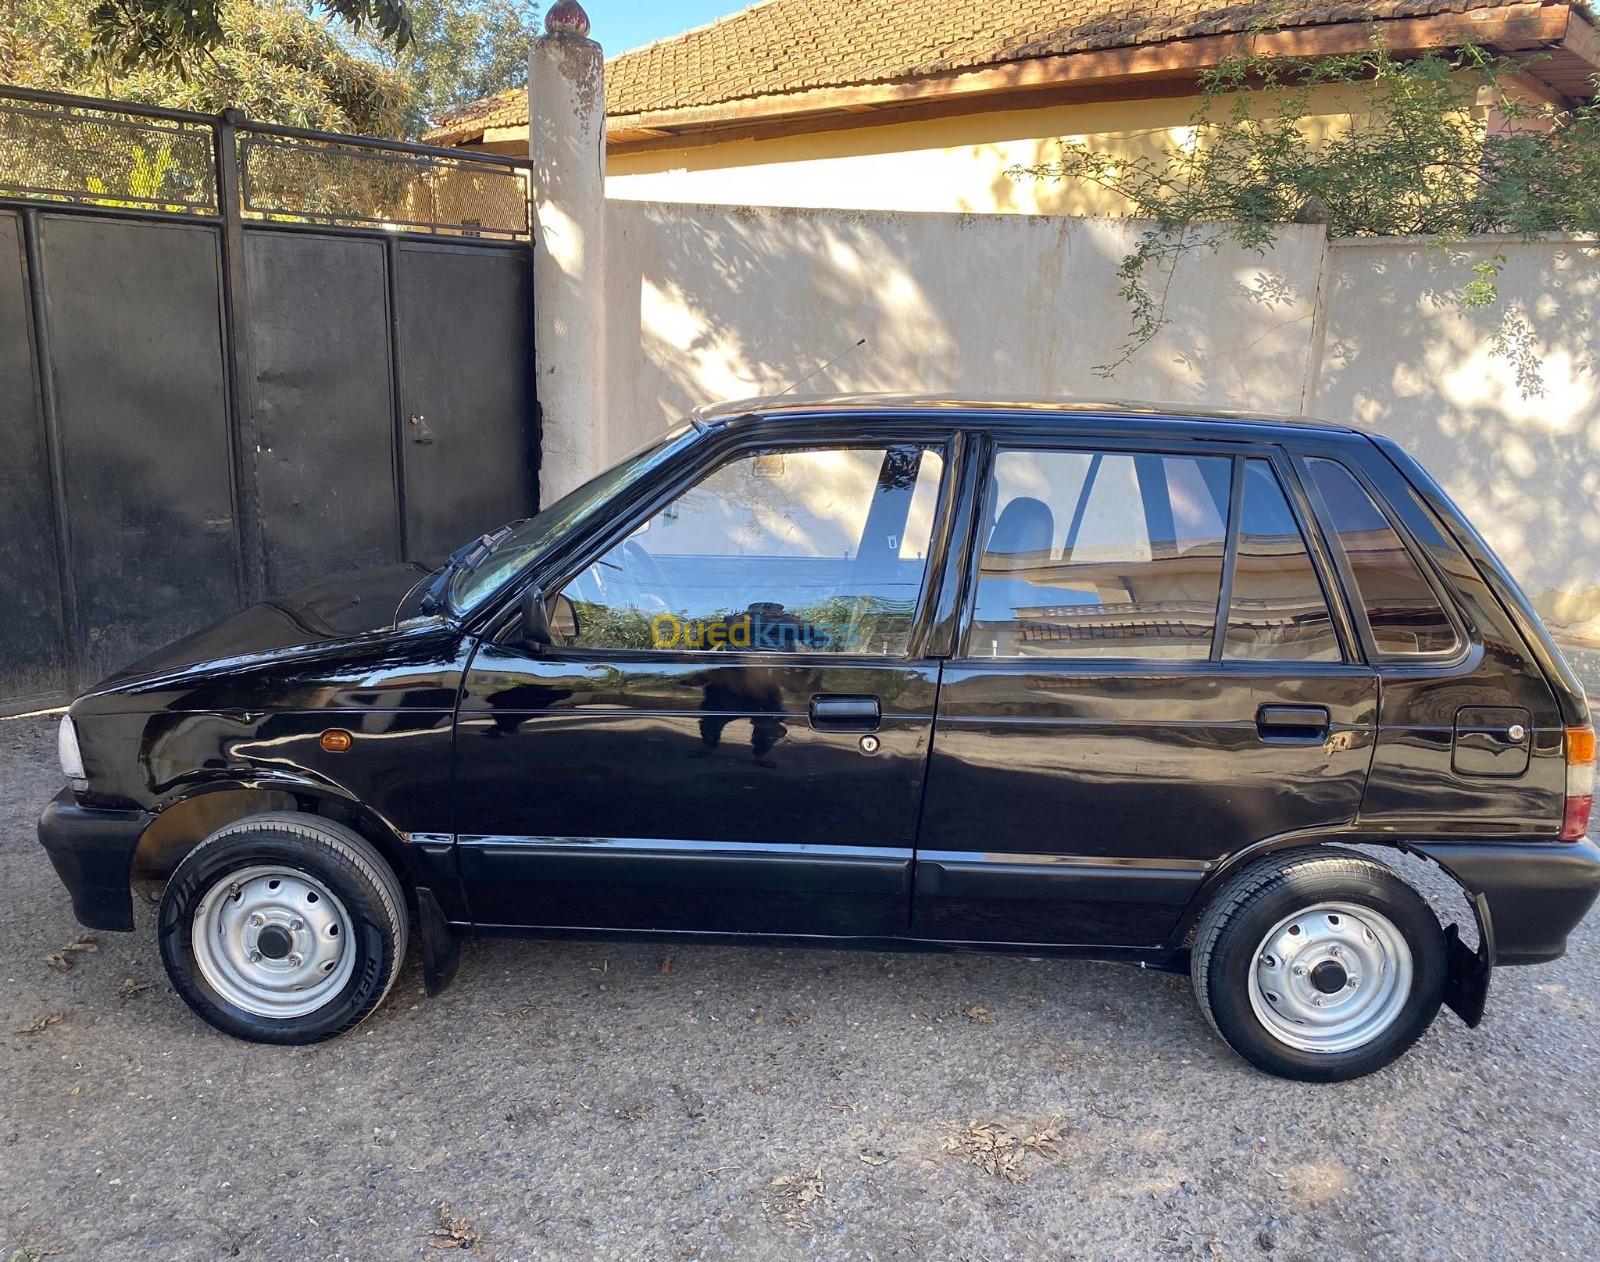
pixel 1580 783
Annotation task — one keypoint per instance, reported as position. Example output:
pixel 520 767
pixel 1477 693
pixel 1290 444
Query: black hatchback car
pixel 1108 681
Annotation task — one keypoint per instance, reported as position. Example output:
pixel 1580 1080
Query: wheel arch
pixel 188 818
pixel 1469 971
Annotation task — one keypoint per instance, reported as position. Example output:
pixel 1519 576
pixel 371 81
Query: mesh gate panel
pixel 342 182
pixel 106 157
pixel 89 152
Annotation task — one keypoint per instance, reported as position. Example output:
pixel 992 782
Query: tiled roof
pixel 777 47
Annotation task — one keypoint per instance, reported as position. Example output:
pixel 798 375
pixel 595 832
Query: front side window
pixel 1101 555
pixel 815 550
pixel 1401 606
pixel 522 543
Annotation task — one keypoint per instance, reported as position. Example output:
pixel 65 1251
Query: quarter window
pixel 1277 610
pixel 816 550
pixel 1400 604
pixel 1101 555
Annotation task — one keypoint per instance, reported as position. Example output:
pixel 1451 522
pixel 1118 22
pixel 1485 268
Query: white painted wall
pixel 1401 356
pixel 710 303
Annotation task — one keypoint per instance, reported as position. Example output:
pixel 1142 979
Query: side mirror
pixel 535 618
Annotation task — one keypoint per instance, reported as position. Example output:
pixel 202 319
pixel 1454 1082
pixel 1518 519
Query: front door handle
pixel 845 714
pixel 1293 724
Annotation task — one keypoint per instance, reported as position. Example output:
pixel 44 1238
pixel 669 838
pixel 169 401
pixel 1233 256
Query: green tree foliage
pixel 274 61
pixel 460 51
pixel 1417 157
pixel 281 61
pixel 175 35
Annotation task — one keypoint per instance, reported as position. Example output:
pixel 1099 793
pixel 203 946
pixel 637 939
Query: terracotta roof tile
pixel 783 46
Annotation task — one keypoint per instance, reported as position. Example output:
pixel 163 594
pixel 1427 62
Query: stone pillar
pixel 566 142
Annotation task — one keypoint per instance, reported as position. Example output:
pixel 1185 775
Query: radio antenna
pixel 800 381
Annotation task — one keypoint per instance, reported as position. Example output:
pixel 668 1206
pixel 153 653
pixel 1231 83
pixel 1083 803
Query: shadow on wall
pixel 1501 403
pixel 709 303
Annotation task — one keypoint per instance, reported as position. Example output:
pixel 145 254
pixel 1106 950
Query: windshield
pixel 522 543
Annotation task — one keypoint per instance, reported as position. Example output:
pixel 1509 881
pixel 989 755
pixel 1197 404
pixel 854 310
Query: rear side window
pixel 1401 606
pixel 1111 554
pixel 1277 611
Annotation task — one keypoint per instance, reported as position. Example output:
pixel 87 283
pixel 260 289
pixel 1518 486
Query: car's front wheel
pixel 1321 966
pixel 283 928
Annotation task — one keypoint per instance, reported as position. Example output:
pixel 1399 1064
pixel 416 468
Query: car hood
pixel 327 612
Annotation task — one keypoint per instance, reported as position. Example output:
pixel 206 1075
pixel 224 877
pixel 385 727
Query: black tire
pixel 1258 899
pixel 346 865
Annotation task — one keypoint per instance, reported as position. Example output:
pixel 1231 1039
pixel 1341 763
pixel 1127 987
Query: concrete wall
pixel 710 303
pixel 1502 404
pixel 717 302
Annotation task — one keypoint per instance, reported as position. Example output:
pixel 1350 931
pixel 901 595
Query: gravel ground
pixel 587 1101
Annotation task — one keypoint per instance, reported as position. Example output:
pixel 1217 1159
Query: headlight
pixel 71 756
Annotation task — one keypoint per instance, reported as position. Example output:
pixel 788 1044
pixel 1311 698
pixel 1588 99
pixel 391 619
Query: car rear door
pixel 732 733
pixel 1152 674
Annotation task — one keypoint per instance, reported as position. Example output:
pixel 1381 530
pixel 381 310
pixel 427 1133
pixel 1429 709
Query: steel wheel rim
pixel 273 941
pixel 1295 968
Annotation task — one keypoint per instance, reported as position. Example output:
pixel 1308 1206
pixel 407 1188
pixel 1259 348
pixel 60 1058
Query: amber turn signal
pixel 336 740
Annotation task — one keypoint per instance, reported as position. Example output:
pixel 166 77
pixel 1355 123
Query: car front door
pixel 731 730
pixel 1152 676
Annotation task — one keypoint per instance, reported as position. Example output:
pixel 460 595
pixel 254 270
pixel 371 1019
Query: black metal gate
pixel 235 358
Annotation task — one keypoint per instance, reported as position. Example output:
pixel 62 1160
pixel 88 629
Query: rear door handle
pixel 1296 724
pixel 844 714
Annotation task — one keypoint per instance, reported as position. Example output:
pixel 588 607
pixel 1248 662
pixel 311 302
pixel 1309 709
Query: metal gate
pixel 235 358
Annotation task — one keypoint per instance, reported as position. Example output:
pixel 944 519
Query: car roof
pixel 994 410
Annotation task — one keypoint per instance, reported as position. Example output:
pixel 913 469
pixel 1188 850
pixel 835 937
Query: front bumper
pixel 1534 893
pixel 92 851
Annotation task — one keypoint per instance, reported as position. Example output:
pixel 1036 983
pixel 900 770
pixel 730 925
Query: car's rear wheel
pixel 283 928
pixel 1321 966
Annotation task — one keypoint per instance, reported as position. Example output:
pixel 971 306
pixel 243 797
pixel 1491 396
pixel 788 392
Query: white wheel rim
pixel 273 941
pixel 1330 978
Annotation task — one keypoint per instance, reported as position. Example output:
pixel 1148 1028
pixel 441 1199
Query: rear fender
pixel 1469 971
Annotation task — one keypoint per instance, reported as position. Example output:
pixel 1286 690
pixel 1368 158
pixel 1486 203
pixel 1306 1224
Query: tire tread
pixel 354 849
pixel 1260 879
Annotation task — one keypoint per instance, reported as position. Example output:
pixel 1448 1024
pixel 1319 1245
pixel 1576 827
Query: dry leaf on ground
pixel 1001 1152
pixel 790 1197
pixel 130 988
pixel 666 964
pixel 799 1017
pixel 452 1232
pixel 976 1012
pixel 83 944
pixel 42 1023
